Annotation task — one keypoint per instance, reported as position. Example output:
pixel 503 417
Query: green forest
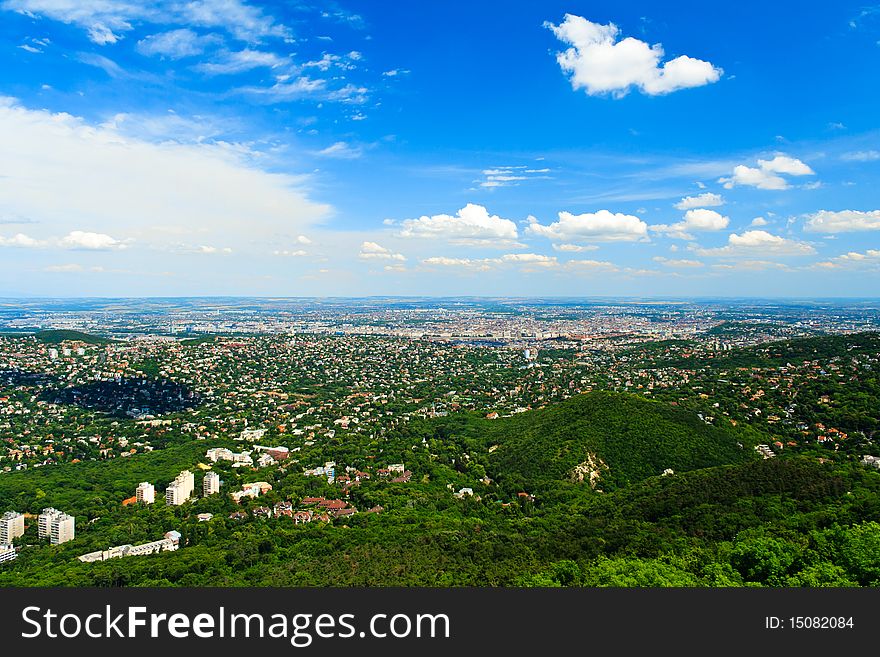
pixel 719 516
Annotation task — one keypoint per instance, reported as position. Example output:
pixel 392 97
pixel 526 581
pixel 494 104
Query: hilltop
pixel 604 439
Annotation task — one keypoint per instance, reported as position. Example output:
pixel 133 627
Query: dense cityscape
pixel 326 412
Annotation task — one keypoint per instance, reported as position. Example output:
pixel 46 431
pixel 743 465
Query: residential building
pixel 62 529
pixel 210 484
pixel 181 489
pixel 145 493
pixel 11 527
pixel 44 523
pixel 7 553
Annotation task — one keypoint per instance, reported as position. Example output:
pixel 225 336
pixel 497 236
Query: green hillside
pixel 625 438
pixel 56 336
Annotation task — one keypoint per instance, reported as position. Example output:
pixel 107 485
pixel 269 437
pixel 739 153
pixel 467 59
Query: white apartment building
pixel 7 553
pixel 44 524
pixel 62 529
pixel 181 489
pixel 11 527
pixel 145 493
pixel 211 484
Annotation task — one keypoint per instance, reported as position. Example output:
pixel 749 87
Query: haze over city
pixel 333 149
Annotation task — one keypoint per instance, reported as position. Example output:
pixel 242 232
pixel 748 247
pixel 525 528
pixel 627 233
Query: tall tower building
pixel 181 489
pixel 44 524
pixel 63 529
pixel 145 493
pixel 11 527
pixel 211 484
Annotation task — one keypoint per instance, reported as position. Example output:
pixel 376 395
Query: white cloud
pixel 106 21
pixel 753 243
pixel 373 251
pixel 86 241
pixel 599 63
pixel 574 248
pixel 528 262
pixel 207 249
pixel 21 240
pixel 766 175
pixel 484 264
pixel 472 225
pixel 707 200
pixel 531 259
pixel 302 239
pixel 592 266
pixel 299 253
pixel 678 264
pixel 229 62
pixel 64 173
pixel 601 226
pixel 698 220
pixel 759 221
pixel 871 257
pixel 342 151
pixel 844 221
pixel 175 44
pixel 510 176
pixel 861 156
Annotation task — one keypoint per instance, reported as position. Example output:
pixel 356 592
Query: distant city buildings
pixel 211 484
pixel 56 525
pixel 181 489
pixel 11 527
pixel 145 493
pixel 254 489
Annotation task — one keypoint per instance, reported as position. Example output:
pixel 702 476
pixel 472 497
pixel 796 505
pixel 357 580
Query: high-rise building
pixel 145 493
pixel 44 524
pixel 63 529
pixel 211 484
pixel 180 490
pixel 11 527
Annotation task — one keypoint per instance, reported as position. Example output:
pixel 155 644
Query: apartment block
pixel 145 493
pixel 11 527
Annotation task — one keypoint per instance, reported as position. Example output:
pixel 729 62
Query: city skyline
pixel 175 149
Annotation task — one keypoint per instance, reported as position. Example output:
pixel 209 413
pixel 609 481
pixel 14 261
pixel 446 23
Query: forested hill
pixel 612 438
pixel 57 336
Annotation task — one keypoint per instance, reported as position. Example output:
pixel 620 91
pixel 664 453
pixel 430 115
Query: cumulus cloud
pixel 86 241
pixel 600 62
pixel 767 174
pixel 845 221
pixel 373 251
pixel 706 200
pixel 601 226
pixel 698 220
pixel 64 173
pixel 20 240
pixel 754 243
pixel 298 253
pixel 470 226
pixel 759 221
pixel 871 257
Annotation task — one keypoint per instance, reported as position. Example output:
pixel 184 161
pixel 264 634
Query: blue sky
pixel 202 147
